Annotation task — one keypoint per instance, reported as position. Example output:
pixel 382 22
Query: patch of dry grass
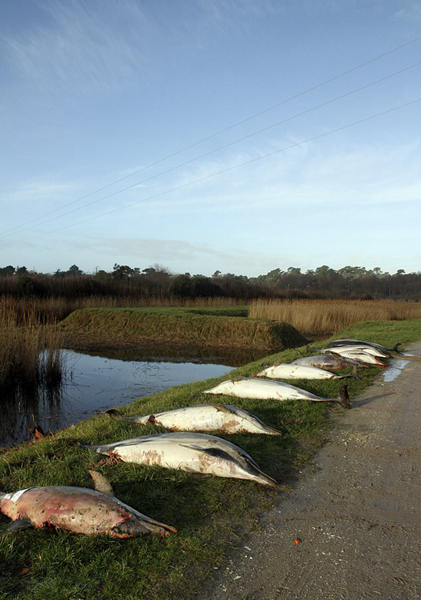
pixel 323 317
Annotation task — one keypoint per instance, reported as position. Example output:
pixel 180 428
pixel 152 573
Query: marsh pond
pixel 101 380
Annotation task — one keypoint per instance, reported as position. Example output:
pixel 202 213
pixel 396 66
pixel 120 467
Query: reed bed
pixel 53 310
pixel 30 352
pixel 30 341
pixel 326 317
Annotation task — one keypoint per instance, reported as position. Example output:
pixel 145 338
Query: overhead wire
pixel 226 170
pixel 206 154
pixel 221 131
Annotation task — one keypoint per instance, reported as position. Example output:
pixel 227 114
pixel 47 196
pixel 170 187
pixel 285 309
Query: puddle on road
pixel 395 369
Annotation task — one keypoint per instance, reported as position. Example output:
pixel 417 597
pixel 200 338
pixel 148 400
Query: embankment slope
pixel 179 327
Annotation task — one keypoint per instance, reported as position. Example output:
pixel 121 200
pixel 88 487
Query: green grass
pixel 181 326
pixel 213 515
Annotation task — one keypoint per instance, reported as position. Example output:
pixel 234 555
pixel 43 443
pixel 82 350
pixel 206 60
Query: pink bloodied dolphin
pixel 79 510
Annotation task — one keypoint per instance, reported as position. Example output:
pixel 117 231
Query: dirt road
pixel 358 513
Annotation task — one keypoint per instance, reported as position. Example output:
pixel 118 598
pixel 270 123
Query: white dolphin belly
pixel 291 371
pixel 193 452
pixel 208 417
pixel 260 389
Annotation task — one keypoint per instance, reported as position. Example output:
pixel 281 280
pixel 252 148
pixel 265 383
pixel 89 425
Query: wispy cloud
pixel 38 190
pixel 410 11
pixel 95 44
pixel 82 45
pixel 305 176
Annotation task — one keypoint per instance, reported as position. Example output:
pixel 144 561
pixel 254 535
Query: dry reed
pixel 30 352
pixel 52 310
pixel 30 342
pixel 323 317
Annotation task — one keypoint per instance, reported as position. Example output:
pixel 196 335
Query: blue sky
pixel 94 91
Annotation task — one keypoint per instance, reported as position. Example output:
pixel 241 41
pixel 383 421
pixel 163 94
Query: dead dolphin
pixel 261 389
pixel 348 342
pixel 360 356
pixel 79 510
pixel 333 362
pixel 294 371
pixel 193 452
pixel 206 417
pixel 367 349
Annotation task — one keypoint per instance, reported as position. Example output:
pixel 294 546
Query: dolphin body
pixel 361 356
pixel 79 510
pixel 207 417
pixel 348 342
pixel 354 348
pixel 333 362
pixel 294 371
pixel 193 452
pixel 261 389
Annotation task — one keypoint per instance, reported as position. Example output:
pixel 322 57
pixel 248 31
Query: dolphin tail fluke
pixel 88 446
pixel 355 372
pixel 343 397
pixel 396 348
pixel 353 375
pixel 113 412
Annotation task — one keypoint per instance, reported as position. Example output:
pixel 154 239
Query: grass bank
pixel 214 327
pixel 212 515
pixel 324 317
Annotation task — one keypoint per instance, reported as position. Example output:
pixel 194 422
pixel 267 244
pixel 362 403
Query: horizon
pixel 378 271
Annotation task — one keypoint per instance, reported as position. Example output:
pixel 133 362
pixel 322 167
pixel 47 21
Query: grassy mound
pixel 180 327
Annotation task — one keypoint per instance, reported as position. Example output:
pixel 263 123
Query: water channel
pixel 97 381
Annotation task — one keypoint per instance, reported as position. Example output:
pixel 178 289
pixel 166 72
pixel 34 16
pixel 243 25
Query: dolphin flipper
pixel 18 525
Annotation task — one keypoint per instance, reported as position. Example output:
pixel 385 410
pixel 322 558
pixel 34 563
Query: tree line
pixel 159 282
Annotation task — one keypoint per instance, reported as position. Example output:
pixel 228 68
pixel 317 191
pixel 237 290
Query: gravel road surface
pixel 357 511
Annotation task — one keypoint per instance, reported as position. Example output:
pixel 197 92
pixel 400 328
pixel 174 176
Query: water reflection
pixel 95 382
pixel 25 408
pixel 158 353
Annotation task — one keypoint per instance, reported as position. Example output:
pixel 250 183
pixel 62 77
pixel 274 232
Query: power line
pixel 248 162
pixel 185 163
pixel 201 141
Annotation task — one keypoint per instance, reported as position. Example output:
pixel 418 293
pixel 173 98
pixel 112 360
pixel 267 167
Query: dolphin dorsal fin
pixel 101 483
